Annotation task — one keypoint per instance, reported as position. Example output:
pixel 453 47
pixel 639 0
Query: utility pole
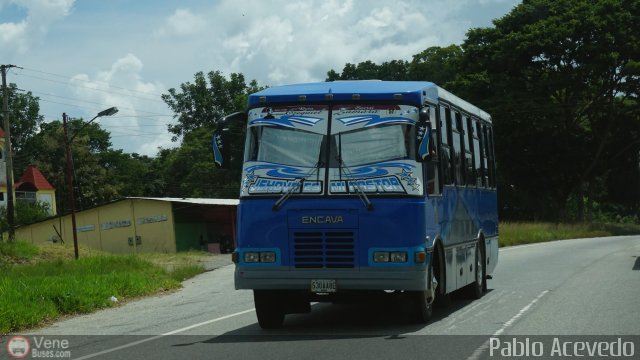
pixel 70 174
pixel 7 152
pixel 72 200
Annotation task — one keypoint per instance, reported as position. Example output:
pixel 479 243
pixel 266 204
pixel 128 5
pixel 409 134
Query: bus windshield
pixel 285 146
pixel 373 144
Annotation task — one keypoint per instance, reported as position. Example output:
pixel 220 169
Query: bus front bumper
pixel 387 278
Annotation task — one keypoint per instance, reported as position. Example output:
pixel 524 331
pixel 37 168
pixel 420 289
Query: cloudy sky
pixel 83 56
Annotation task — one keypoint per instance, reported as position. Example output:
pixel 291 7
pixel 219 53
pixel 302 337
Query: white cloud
pixel 274 42
pixel 182 22
pixel 297 38
pixel 140 125
pixel 13 34
pixel 286 41
pixel 41 14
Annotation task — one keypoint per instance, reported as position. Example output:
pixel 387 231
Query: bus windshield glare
pixel 281 145
pixel 374 144
pixel 294 147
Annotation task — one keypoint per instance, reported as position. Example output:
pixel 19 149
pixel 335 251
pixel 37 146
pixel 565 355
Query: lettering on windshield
pixel 271 186
pixel 389 184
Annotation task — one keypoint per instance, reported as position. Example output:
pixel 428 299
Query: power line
pixel 136 126
pixel 140 134
pixel 91 102
pixel 108 91
pixel 94 89
pixel 91 82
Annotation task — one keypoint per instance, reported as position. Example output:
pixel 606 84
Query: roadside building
pixel 137 224
pixel 31 187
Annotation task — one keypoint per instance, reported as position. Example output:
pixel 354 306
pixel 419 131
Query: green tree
pixel 440 65
pixel 26 213
pixel 368 70
pixel 93 183
pixel 560 78
pixel 189 170
pixel 25 118
pixel 133 174
pixel 203 102
pixel 29 213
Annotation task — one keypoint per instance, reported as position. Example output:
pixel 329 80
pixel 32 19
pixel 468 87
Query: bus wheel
pixel 269 308
pixel 423 300
pixel 476 288
pixel 443 299
pixel 423 307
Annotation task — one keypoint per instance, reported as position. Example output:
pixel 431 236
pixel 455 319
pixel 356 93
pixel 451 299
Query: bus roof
pixel 410 92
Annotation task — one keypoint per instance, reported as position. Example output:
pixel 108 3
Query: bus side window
pixel 475 142
pixel 458 150
pixel 490 161
pixel 432 167
pixel 251 146
pixel 482 172
pixel 467 132
pixel 446 156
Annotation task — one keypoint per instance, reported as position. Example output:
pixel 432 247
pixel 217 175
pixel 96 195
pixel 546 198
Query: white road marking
pixel 135 343
pixel 476 354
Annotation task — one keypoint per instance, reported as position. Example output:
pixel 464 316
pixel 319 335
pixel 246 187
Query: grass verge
pixel 518 233
pixel 18 252
pixel 37 289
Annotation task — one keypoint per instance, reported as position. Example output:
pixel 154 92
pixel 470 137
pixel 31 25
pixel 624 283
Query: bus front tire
pixel 423 300
pixel 443 299
pixel 423 306
pixel 269 308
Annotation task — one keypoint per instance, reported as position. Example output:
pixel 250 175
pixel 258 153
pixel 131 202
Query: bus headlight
pixel 268 256
pixel 259 257
pixel 381 256
pixel 390 256
pixel 251 257
pixel 398 256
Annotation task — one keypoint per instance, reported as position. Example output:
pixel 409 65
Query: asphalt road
pixel 577 287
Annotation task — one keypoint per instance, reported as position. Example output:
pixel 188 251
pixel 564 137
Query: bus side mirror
pixel 220 143
pixel 423 135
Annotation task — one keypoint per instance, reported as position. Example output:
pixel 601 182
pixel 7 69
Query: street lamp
pixel 67 147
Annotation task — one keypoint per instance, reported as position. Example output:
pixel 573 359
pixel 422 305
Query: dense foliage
pixel 561 79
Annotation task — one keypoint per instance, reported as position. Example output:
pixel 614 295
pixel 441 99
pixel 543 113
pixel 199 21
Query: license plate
pixel 323 286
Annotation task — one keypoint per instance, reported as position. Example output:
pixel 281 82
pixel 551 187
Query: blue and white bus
pixel 358 187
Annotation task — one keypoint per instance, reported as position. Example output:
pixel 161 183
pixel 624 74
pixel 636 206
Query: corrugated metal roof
pixel 199 201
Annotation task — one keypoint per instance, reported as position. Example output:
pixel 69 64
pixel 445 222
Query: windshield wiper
pixel 298 182
pixel 361 194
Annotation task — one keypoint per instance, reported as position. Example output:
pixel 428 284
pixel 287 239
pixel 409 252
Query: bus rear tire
pixel 476 288
pixel 269 308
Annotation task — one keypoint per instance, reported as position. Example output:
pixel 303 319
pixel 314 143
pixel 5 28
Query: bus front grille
pixel 323 249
